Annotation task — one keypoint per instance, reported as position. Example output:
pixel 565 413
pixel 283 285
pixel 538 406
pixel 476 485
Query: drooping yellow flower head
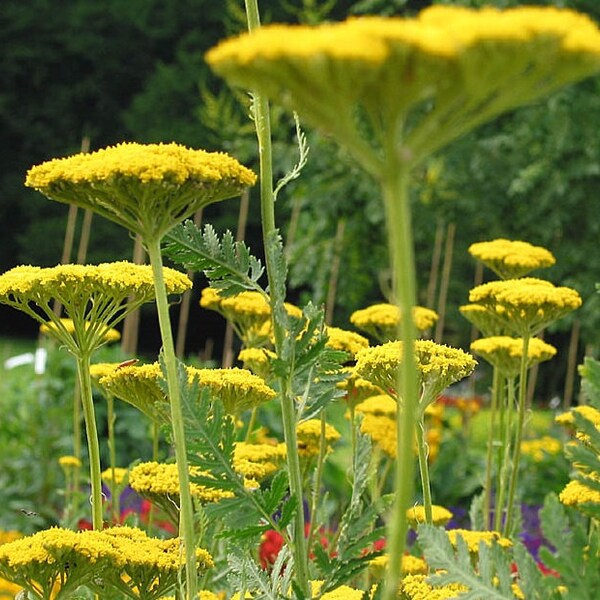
pixel 309 434
pixel 465 66
pixel 159 483
pixel 511 259
pixel 526 305
pixel 505 353
pixel 382 320
pixel 94 297
pixel 438 367
pixel 138 385
pixel 147 188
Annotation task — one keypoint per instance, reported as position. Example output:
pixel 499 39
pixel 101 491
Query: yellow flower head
pixel 415 587
pixel 589 412
pixel 438 367
pixel 382 320
pixel 257 360
pixel 579 495
pixel 112 335
pixel 541 448
pixel 94 297
pixel 383 431
pixel 380 405
pixel 238 389
pixel 309 434
pixel 484 319
pixel 258 461
pixel 147 188
pixel 526 305
pixel 511 259
pixel 118 476
pixel 465 66
pixel 416 515
pixel 473 538
pixel 138 385
pixel 69 462
pixel 505 352
pixel 411 565
pixel 345 341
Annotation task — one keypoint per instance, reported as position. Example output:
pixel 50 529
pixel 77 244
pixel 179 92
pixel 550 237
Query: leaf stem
pixel 186 521
pixel 424 470
pixel 489 461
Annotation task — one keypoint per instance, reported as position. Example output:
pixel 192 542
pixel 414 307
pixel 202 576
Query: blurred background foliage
pixel 113 71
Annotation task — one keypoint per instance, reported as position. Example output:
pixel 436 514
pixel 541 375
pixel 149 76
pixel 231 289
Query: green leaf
pixel 226 263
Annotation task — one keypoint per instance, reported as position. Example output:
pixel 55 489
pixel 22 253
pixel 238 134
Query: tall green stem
pixel 395 193
pixel 263 133
pixel 492 435
pixel 87 402
pixel 186 519
pixel 518 437
pixel 505 428
pixel 112 451
pixel 424 471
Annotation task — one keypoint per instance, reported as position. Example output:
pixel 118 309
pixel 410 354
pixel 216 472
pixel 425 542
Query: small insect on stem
pixel 128 363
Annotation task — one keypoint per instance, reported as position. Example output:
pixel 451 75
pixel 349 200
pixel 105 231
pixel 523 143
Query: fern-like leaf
pixel 226 263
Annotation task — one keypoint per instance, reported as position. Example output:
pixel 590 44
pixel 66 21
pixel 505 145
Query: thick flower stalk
pixel 95 298
pixel 419 83
pixel 149 189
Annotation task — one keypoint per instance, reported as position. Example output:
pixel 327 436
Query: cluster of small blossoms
pixel 258 461
pixel 382 321
pixel 58 561
pixel 541 448
pixel 309 436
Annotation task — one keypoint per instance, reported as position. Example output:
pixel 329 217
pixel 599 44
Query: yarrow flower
pixel 147 188
pixel 309 434
pixel 505 353
pixel 416 515
pixel 473 538
pixel 484 319
pixel 69 462
pixel 382 320
pixel 542 448
pixel 511 259
pixel 346 341
pixel 415 587
pixel 438 367
pixel 258 461
pixel 581 496
pixel 112 335
pixel 526 305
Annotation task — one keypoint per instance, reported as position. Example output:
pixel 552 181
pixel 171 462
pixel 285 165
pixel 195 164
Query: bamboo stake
pixel 445 281
pixel 227 358
pixel 571 365
pixel 184 309
pixel 435 263
pixel 334 274
pixel 131 324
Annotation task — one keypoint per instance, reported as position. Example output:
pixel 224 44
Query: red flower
pixel 271 544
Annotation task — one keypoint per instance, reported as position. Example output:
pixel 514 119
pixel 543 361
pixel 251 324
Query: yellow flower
pixel 309 434
pixel 95 297
pixel 578 494
pixel 119 475
pixel 257 360
pixel 380 405
pixel 415 587
pixel 346 341
pixel 237 389
pixel 411 565
pixel 465 66
pixel 589 412
pixel 382 320
pixel 484 319
pixel 258 461
pixel 505 352
pixel 541 448
pixel 526 305
pixel 416 515
pixel 473 538
pixel 511 259
pixel 438 367
pixel 382 430
pixel 112 335
pixel 69 462
pixel 146 188
pixel 357 388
